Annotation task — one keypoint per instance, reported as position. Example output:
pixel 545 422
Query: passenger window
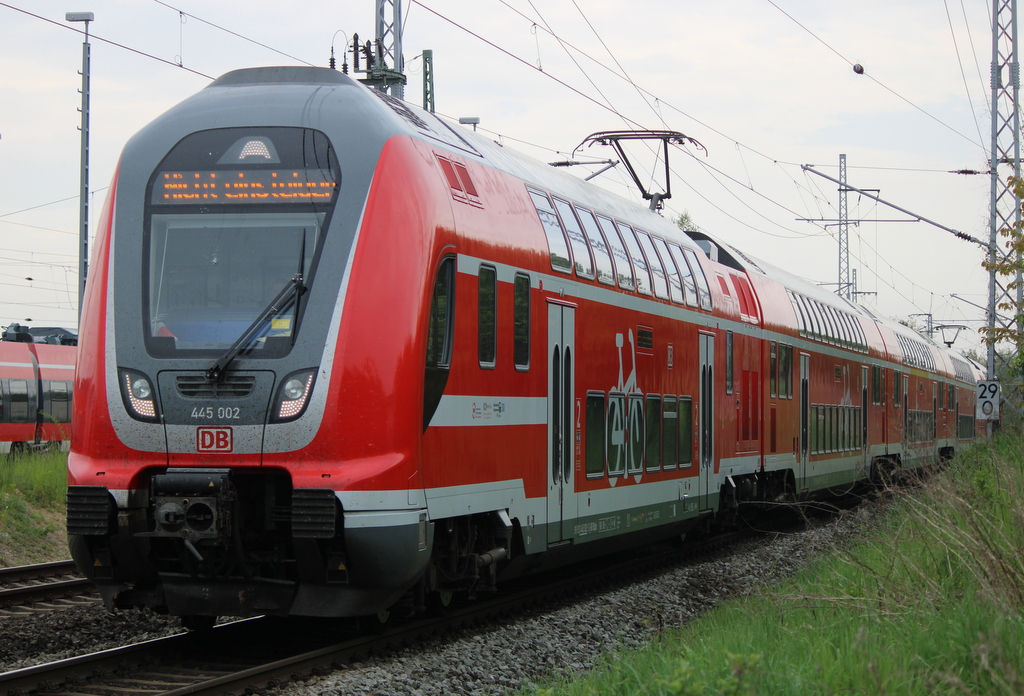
pixel 670 431
pixel 653 432
pixel 689 285
pixel 728 362
pixel 615 431
pixel 657 270
pixel 595 434
pixel 674 283
pixel 19 400
pixel 785 371
pixel 521 322
pixel 487 316
pixel 623 268
pixel 557 245
pixel 837 320
pixel 580 250
pixel 703 289
pixel 440 328
pixel 772 367
pixel 643 274
pixel 602 256
pixel 801 318
pixel 685 431
pixel 60 402
pixel 812 320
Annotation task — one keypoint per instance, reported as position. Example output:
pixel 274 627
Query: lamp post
pixel 83 207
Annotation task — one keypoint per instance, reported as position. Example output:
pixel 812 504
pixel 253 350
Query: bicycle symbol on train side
pixel 624 422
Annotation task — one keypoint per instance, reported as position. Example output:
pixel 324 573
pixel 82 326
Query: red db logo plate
pixel 214 440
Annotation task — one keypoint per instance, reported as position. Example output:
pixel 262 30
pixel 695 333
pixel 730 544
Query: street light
pixel 83 206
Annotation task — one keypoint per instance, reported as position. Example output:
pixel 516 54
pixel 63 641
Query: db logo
pixel 214 440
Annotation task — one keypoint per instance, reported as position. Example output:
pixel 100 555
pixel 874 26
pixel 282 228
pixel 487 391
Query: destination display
pixel 244 186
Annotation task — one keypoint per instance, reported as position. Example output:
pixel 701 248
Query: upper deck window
pixel 602 256
pixel 657 270
pixel 235 218
pixel 558 246
pixel 643 274
pixel 689 284
pixel 580 249
pixel 703 289
pixel 623 268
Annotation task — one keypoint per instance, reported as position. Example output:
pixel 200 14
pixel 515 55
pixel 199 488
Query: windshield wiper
pixel 294 288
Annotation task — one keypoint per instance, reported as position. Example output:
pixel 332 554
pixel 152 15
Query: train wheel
pixel 440 603
pixel 17 449
pixel 198 622
pixel 377 623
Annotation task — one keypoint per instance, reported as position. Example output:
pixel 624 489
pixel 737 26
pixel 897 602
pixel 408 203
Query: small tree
pixel 1010 265
pixel 685 222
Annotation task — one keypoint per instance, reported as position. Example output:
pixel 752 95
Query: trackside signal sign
pixel 988 401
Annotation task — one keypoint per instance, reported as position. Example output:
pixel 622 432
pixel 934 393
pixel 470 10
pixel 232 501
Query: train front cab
pixel 284 479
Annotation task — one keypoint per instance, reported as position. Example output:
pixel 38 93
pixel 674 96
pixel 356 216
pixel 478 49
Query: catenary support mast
pixel 845 286
pixel 1005 153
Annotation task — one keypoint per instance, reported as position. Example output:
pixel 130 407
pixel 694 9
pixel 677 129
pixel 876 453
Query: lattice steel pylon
pixel 389 39
pixel 845 288
pixel 1005 153
pixel 384 50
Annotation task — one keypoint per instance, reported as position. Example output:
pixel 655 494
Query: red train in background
pixel 36 388
pixel 337 354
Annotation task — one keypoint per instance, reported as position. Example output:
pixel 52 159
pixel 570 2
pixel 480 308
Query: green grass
pixel 32 492
pixel 41 477
pixel 930 602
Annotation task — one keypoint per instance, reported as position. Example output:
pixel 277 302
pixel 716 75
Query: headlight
pixel 138 395
pixel 294 388
pixel 141 389
pixel 293 396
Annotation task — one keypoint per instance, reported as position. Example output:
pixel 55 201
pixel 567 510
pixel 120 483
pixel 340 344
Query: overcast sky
pixel 765 85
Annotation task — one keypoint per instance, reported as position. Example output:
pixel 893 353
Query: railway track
pixel 41 587
pixel 254 654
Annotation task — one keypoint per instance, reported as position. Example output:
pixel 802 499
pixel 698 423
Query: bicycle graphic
pixel 625 426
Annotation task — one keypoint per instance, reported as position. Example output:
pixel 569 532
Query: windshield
pixel 232 216
pixel 212 275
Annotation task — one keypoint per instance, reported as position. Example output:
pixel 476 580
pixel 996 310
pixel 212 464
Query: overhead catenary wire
pixel 780 164
pixel 96 37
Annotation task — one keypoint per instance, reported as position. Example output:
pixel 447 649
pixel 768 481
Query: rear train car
pixel 36 387
pixel 338 355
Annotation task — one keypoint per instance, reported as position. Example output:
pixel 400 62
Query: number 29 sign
pixel 988 401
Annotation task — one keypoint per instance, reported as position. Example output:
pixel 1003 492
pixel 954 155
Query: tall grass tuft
pixel 40 477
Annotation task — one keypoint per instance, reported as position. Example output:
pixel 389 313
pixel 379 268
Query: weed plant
pixel 40 477
pixel 930 601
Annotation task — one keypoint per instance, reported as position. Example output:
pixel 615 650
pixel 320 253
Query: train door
pixel 864 442
pixel 707 419
pixel 561 419
pixel 906 408
pixel 805 417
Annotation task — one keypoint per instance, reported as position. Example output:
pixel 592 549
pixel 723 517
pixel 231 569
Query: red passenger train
pixel 337 354
pixel 35 393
